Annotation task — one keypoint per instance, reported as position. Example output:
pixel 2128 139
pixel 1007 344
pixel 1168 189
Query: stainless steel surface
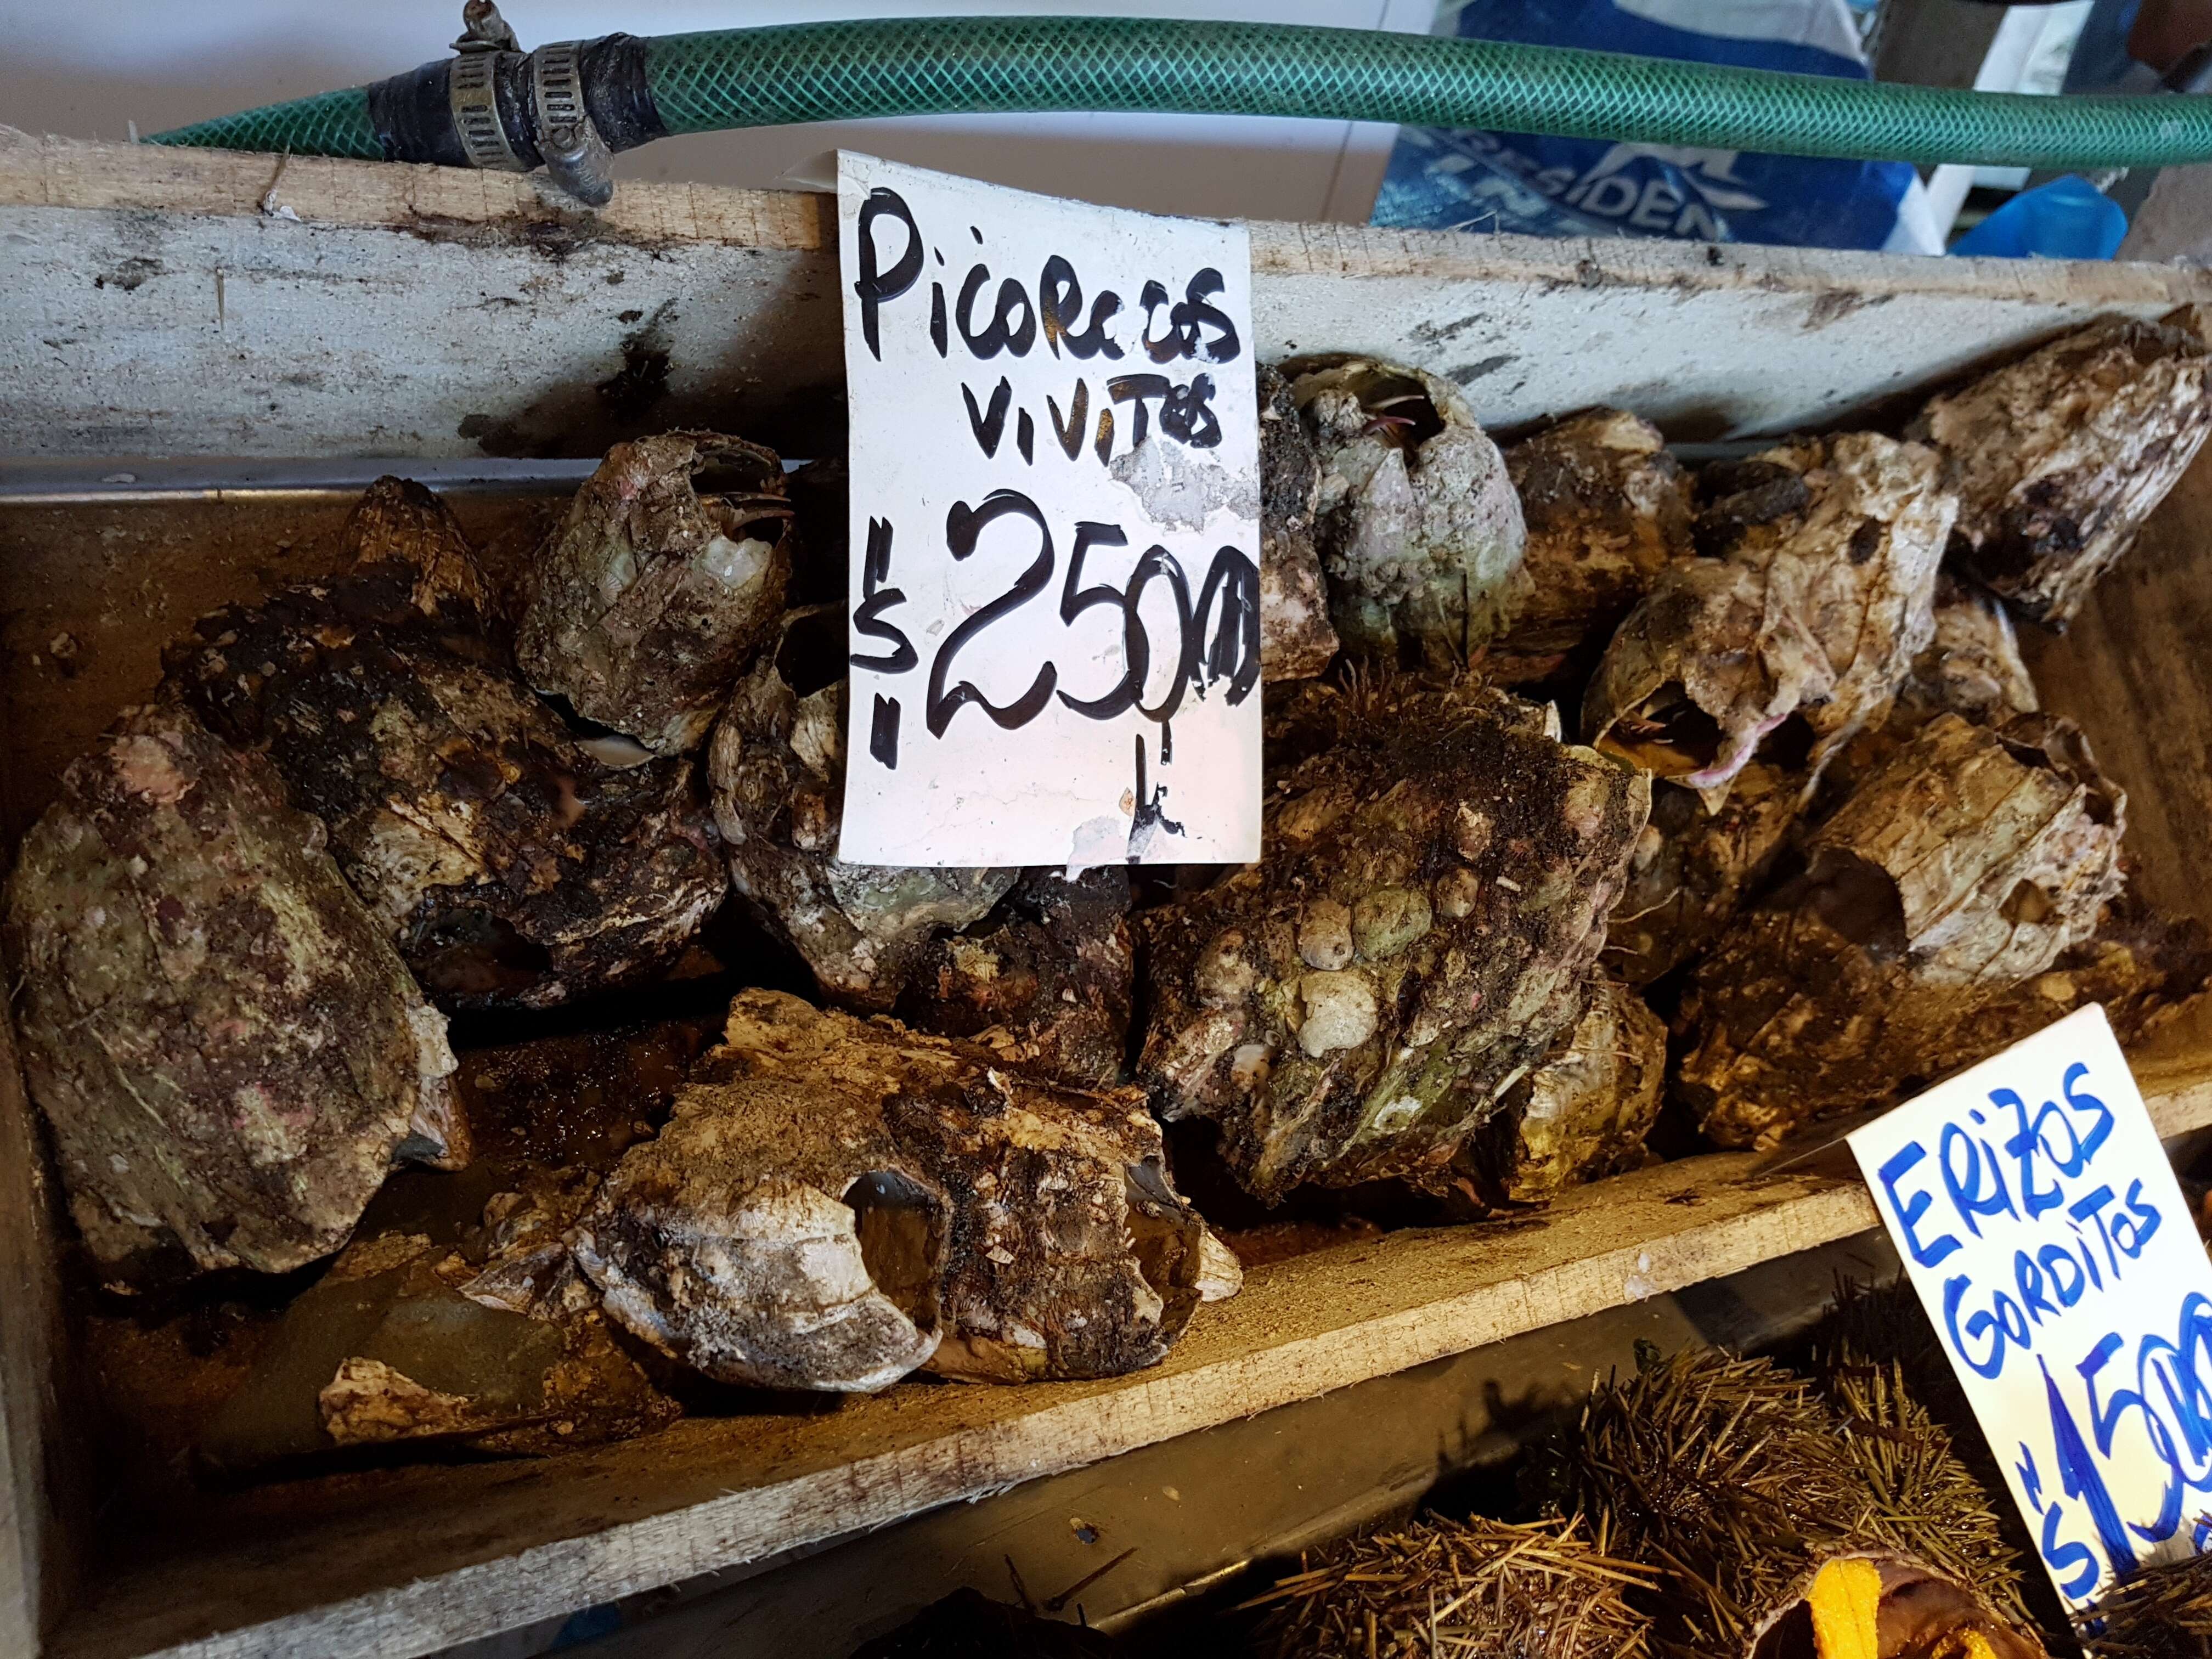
pixel 72 483
pixel 46 482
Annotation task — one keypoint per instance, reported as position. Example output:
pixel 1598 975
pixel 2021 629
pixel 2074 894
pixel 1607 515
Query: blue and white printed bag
pixel 1442 179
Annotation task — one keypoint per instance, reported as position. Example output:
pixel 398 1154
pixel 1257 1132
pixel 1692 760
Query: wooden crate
pixel 160 302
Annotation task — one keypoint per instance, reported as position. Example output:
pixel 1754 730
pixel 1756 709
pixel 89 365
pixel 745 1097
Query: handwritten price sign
pixel 1056 596
pixel 2041 1224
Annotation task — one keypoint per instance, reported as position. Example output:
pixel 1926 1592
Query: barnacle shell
pixel 511 866
pixel 1433 890
pixel 1820 594
pixel 230 1053
pixel 1692 868
pixel 1695 868
pixel 668 572
pixel 509 863
pixel 2059 458
pixel 1296 638
pixel 1972 667
pixel 1965 865
pixel 1581 1113
pixel 1421 530
pixel 776 774
pixel 2142 968
pixel 837 1201
pixel 402 532
pixel 1608 509
pixel 1045 981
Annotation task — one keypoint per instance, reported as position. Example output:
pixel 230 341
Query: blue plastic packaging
pixel 2066 219
pixel 1444 179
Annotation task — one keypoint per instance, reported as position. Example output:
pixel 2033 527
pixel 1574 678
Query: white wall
pixel 90 68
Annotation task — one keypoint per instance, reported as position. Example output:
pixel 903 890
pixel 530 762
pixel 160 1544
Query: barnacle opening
pixel 722 474
pixel 2028 905
pixel 901 1229
pixel 1399 408
pixel 1159 1240
pixel 601 742
pixel 1788 746
pixel 812 653
pixel 1666 734
pixel 467 952
pixel 1859 900
pixel 740 488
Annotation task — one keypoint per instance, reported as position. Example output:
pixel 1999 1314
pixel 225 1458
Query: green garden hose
pixel 637 90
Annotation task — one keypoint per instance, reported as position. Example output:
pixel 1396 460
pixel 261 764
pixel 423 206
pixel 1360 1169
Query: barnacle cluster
pixel 1591 780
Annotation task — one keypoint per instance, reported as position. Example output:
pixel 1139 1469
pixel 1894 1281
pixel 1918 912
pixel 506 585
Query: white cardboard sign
pixel 1055 586
pixel 2040 1222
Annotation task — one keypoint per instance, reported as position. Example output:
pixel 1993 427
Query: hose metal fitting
pixel 567 108
pixel 575 154
pixel 472 92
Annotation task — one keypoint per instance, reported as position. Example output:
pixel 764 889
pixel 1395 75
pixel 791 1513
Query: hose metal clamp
pixel 575 154
pixel 471 91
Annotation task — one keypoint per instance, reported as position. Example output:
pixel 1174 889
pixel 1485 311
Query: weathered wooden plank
pixel 427 1557
pixel 1200 1510
pixel 2135 670
pixel 38 1541
pixel 436 312
pixel 477 1549
pixel 53 171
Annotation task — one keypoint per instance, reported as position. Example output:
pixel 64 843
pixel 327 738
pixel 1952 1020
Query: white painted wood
pixel 426 311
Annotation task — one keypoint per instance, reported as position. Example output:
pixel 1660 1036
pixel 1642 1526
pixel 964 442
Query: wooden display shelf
pixel 159 302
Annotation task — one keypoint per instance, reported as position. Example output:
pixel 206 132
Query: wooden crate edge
pixel 49 171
